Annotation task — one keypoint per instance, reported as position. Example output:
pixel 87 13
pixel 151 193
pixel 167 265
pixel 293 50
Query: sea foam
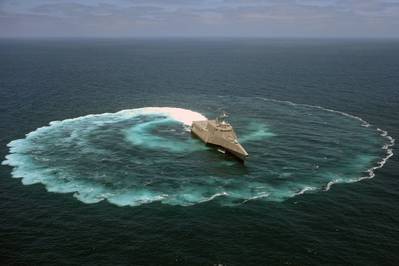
pixel 138 156
pixel 387 147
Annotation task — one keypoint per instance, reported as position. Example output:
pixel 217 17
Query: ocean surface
pixel 99 166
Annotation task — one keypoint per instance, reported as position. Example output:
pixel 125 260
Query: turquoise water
pixel 144 155
pixel 99 166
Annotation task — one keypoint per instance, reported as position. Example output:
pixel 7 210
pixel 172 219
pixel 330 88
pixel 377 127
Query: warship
pixel 219 133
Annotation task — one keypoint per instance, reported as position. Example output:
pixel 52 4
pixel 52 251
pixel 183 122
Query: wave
pixel 184 116
pixel 220 194
pixel 302 191
pixel 144 155
pixel 383 133
pixel 257 197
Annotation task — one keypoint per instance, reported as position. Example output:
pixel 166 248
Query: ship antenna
pixel 222 118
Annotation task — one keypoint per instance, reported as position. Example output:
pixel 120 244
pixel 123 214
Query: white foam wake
pixel 383 133
pixel 259 196
pixel 184 116
pixel 179 114
pixel 131 179
pixel 302 191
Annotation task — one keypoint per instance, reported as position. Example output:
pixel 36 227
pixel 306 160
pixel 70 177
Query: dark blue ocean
pixel 99 166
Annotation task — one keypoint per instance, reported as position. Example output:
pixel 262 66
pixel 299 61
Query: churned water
pixel 105 125
pixel 144 155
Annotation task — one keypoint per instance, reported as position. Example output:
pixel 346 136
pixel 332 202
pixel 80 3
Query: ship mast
pixel 221 120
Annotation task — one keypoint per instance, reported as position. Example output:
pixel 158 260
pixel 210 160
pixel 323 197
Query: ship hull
pixel 228 152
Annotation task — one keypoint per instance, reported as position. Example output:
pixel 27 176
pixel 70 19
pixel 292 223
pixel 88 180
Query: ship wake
pixel 145 155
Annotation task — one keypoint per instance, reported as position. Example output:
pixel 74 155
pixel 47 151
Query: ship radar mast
pixel 221 120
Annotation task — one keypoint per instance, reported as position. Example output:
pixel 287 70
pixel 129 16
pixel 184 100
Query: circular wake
pixel 144 155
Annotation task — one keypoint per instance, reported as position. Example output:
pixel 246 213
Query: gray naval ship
pixel 219 133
